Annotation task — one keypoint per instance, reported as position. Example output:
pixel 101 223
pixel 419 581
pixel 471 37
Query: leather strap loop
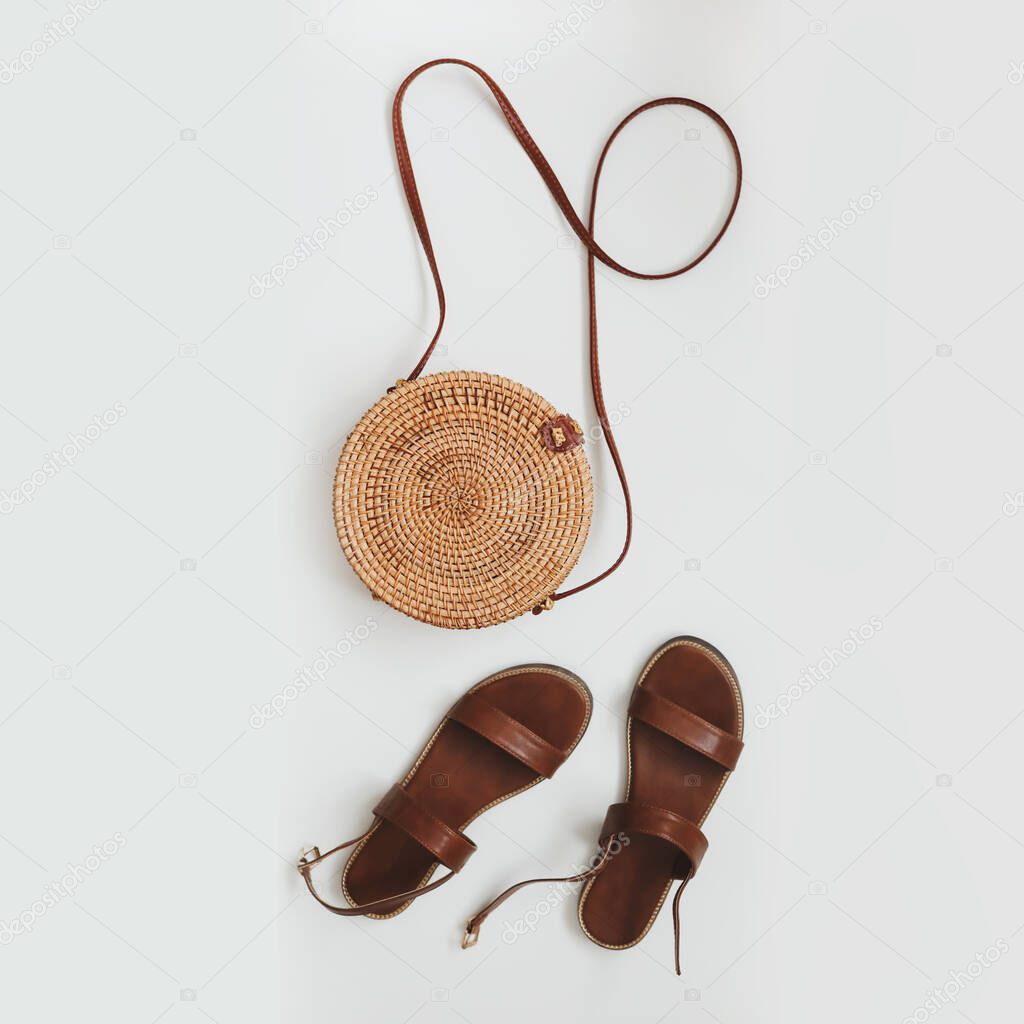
pixel 506 732
pixel 449 846
pixel 722 747
pixel 585 233
pixel 656 821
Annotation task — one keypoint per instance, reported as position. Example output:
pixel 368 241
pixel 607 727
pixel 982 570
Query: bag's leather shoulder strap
pixel 585 233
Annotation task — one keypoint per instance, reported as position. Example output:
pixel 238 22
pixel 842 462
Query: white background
pixel 846 446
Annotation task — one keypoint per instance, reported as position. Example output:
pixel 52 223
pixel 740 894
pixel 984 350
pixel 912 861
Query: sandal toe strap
pixel 686 837
pixel 506 732
pixel 447 844
pixel 676 721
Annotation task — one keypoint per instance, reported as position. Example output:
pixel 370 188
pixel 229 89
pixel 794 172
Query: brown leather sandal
pixel 505 735
pixel 683 739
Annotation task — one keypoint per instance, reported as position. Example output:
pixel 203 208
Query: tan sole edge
pixel 720 660
pixel 554 670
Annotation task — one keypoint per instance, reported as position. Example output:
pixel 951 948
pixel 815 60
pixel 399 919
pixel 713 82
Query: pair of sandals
pixel 513 730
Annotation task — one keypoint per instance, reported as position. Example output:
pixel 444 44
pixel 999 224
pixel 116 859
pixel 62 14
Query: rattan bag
pixel 464 499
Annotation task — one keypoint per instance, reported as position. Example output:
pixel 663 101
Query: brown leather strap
pixel 675 721
pixel 504 731
pixel 472 934
pixel 656 821
pixel 449 846
pixel 386 905
pixel 585 233
pixel 676 929
pixel 684 835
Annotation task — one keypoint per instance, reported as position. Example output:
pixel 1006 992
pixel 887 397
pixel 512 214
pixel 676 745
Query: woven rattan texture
pixel 449 506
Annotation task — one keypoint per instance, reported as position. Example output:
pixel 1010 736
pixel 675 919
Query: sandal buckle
pixel 308 856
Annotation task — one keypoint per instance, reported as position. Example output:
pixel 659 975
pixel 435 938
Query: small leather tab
pixel 561 434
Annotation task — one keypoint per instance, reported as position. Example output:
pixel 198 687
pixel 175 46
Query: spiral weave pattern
pixel 449 505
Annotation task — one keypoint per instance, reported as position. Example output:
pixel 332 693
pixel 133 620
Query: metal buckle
pixel 309 856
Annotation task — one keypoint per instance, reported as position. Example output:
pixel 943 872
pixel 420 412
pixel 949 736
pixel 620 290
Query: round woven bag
pixel 463 499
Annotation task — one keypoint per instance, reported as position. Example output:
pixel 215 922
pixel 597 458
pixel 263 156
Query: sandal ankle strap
pixel 449 846
pixel 313 856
